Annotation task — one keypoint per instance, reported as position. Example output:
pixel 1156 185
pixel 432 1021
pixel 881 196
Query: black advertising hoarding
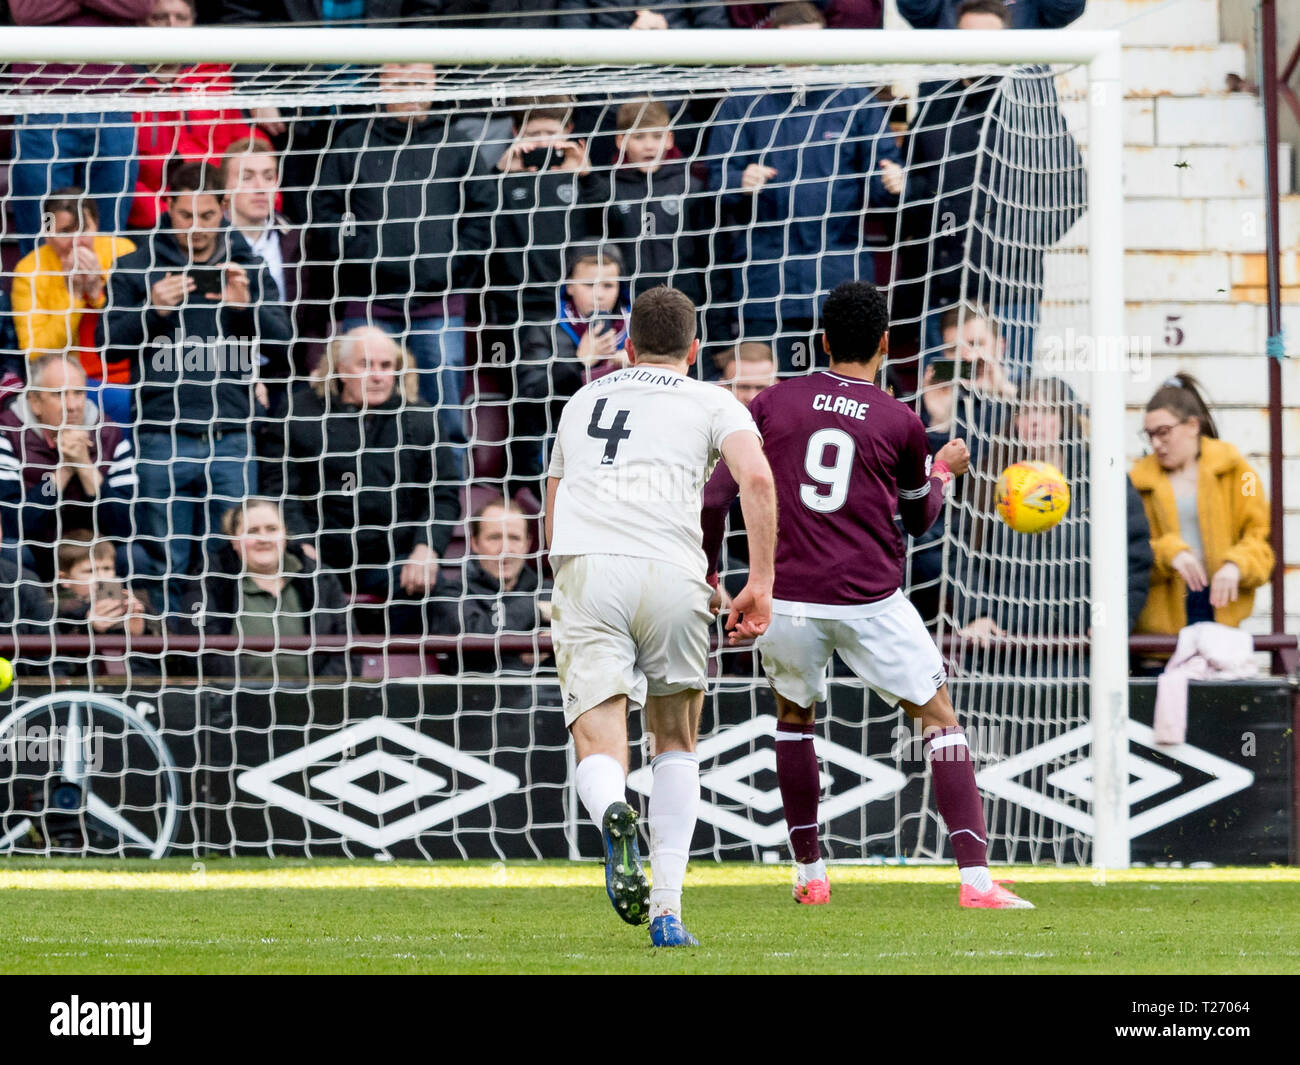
pixel 443 770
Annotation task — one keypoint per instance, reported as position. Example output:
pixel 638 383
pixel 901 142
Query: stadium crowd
pixel 292 372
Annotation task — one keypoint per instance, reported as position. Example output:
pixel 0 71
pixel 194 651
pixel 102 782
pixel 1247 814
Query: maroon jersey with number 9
pixel 846 458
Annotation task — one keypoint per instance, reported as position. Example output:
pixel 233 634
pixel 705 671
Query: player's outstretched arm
pixel 751 610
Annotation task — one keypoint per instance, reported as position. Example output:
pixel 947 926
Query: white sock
pixel 674 801
pixel 978 877
pixel 815 871
pixel 601 782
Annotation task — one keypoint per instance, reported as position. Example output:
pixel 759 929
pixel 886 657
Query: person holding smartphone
pixel 586 340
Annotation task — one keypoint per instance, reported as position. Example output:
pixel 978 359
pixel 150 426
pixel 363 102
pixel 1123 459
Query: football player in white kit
pixel 631 615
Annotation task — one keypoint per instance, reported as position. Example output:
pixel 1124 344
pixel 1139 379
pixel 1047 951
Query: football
pixel 1032 496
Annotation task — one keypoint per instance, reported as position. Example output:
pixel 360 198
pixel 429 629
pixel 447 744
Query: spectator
pixel 1208 515
pixel 371 489
pixel 251 176
pixel 186 133
pixel 498 14
pixel 971 334
pixel 25 610
pixel 392 194
pixel 585 341
pixel 1022 14
pixel 191 307
pixel 91 600
pixel 966 146
pixel 542 197
pixel 494 592
pixel 797 170
pixel 411 14
pixel 657 213
pixel 839 14
pixel 59 290
pixel 1036 587
pixel 746 369
pixel 616 15
pixel 61 467
pixel 94 150
pixel 263 587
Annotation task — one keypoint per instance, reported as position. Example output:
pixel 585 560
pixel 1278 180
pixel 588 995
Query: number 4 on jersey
pixel 613 436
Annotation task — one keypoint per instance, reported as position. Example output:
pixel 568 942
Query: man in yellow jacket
pixel 1208 516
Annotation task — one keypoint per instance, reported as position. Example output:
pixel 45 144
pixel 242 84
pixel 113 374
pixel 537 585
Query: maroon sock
pixel 799 778
pixel 957 796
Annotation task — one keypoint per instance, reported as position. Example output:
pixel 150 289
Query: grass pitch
pixel 252 916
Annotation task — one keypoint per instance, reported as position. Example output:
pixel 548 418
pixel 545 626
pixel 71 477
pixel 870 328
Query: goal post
pixel 490 63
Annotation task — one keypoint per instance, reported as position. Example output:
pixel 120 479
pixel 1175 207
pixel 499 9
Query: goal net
pixel 276 585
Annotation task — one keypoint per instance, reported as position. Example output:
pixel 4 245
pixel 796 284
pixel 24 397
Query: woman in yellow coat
pixel 1207 512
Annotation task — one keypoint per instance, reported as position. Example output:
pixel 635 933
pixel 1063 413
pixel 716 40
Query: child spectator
pixel 542 198
pixel 1208 515
pixel 59 290
pixel 586 340
pixel 494 591
pixel 655 216
pixel 260 585
pixel 91 598
pixel 186 133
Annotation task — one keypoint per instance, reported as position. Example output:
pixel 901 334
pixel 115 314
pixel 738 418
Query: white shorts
pixel 889 649
pixel 627 626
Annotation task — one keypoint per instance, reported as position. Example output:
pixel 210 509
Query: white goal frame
pixel 1098 51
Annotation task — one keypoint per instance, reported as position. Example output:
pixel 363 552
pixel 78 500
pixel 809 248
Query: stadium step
pixel 1142 22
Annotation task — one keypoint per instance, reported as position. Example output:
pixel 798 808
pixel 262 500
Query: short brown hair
pixel 953 316
pixel 662 325
pixel 245 146
pixel 79 545
pixel 508 505
pixel 745 351
pixel 648 113
pixel 72 200
pixel 557 108
pixel 232 521
pixel 199 177
pixel 801 14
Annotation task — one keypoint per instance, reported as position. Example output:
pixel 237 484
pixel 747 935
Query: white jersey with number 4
pixel 633 452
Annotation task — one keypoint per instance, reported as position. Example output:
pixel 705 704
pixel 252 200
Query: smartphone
pixel 109 589
pixel 605 320
pixel 537 159
pixel 208 280
pixel 946 370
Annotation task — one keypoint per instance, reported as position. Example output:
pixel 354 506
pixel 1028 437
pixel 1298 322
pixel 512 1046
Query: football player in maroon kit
pixel 847 457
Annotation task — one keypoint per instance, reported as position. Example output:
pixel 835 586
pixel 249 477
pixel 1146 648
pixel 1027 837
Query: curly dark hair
pixel 854 318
